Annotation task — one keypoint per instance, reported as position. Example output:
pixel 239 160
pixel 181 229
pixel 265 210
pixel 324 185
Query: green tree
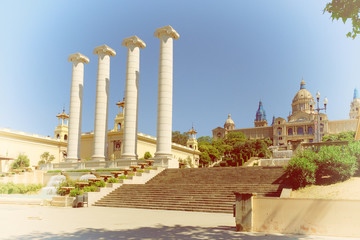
pixel 205 139
pixel 208 154
pixel 22 161
pixel 46 158
pixel 235 149
pixel 343 136
pixel 180 138
pixel 345 9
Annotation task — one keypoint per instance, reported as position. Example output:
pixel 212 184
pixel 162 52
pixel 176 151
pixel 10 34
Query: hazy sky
pixel 230 54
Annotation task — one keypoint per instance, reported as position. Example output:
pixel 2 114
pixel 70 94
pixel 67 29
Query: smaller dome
pixel 229 120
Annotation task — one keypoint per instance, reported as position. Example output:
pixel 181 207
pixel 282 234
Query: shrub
pixel 75 192
pixel 41 162
pixel 91 188
pixel 21 162
pixel 11 188
pixel 100 183
pixel 46 158
pixel 112 180
pixel 337 162
pixel 67 183
pixel 301 171
pixel 122 177
pixel 147 155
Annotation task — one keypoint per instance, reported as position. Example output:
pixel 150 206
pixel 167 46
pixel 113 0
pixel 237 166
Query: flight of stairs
pixel 201 190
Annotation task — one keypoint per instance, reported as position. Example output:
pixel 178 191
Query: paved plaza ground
pixel 38 222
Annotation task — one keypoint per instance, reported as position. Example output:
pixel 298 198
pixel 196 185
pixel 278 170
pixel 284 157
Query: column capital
pixel 135 41
pixel 78 57
pixel 167 30
pixel 104 49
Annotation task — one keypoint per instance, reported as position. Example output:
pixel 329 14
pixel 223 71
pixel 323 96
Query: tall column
pixel 76 96
pixel 131 97
pixel 102 98
pixel 165 91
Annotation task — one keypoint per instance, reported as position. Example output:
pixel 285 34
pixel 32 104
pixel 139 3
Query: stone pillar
pixel 102 98
pixel 165 92
pixel 244 214
pixel 76 96
pixel 131 96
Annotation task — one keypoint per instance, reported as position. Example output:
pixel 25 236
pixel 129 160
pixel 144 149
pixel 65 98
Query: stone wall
pixel 301 216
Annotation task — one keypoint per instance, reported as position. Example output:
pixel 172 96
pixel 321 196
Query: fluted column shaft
pixel 75 112
pixel 131 97
pixel 101 104
pixel 165 92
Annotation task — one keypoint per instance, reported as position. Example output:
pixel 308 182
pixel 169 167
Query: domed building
pixel 301 124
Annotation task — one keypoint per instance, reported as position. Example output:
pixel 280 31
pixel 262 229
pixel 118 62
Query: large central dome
pixel 303 100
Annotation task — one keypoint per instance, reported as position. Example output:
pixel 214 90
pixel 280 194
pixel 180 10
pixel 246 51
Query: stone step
pixel 203 190
pixel 174 207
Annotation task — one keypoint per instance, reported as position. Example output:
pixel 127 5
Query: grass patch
pixel 54 171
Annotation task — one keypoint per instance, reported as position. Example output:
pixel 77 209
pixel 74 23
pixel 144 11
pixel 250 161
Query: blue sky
pixel 230 55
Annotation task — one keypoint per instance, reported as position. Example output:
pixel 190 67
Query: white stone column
pixel 131 97
pixel 165 92
pixel 101 105
pixel 76 96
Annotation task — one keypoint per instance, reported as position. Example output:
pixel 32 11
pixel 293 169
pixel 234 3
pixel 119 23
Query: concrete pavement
pixel 39 222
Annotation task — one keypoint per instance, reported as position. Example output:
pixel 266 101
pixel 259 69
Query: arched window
pixel 65 137
pixel 310 130
pixel 58 136
pixel 300 131
pixel 119 126
pixel 290 131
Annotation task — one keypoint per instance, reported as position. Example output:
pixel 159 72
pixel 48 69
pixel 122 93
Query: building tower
pixel 62 129
pixel 355 105
pixel 260 120
pixel 229 124
pixel 192 142
pixel 119 119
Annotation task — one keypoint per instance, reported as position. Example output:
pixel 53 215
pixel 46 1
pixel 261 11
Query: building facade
pixel 300 125
pixel 15 142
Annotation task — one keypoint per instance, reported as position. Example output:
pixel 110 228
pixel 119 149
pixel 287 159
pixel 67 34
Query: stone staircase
pixel 201 190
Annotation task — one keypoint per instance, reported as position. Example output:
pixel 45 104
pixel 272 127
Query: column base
pixel 72 159
pixel 165 161
pixel 128 157
pixel 162 155
pixel 98 158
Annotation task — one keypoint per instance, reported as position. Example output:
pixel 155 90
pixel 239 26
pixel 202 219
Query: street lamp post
pixel 317 122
